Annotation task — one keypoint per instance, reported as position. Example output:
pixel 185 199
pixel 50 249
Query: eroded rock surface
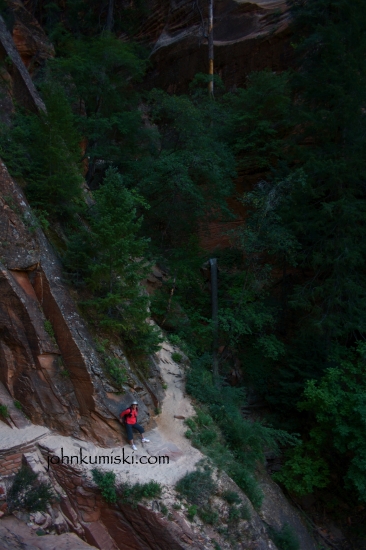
pixel 20 83
pixel 29 38
pixel 249 35
pixel 47 357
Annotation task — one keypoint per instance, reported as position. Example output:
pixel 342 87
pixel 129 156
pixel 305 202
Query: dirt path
pixel 166 439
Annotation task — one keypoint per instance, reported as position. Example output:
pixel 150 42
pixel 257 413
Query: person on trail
pixel 129 418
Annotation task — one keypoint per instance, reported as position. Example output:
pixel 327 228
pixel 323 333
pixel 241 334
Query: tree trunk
pixel 210 48
pixel 109 23
pixel 215 321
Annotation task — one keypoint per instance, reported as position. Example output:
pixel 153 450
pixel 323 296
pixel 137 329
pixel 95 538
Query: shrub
pixel 133 494
pixel 163 509
pixel 197 486
pixel 49 328
pixel 18 405
pixel 191 424
pixel 285 539
pixel 231 497
pixel 106 482
pixel 208 515
pixel 245 512
pixel 116 370
pixel 177 357
pixel 4 411
pixel 28 492
pixel 234 514
pixel 191 512
pixel 204 438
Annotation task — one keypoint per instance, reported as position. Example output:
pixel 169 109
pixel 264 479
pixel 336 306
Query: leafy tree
pixel 45 150
pixel 338 406
pixel 188 174
pixel 328 212
pixel 98 76
pixel 260 118
pixel 117 266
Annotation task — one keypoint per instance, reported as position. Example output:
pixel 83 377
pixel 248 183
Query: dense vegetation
pixel 292 286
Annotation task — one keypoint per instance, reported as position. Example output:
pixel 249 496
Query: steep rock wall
pixel 58 380
pixel 249 35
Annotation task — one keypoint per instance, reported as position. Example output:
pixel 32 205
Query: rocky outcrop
pixel 47 358
pixel 29 38
pixel 249 35
pixel 18 82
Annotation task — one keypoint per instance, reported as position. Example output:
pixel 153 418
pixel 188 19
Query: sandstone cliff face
pixel 58 380
pixel 249 35
pixel 29 38
pixel 15 81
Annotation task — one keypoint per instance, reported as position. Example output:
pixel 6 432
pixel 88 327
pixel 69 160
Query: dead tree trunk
pixel 215 320
pixel 210 48
pixel 109 23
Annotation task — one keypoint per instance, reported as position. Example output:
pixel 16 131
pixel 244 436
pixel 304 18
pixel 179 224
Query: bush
pixel 177 357
pixel 208 515
pixel 106 482
pixel 133 494
pixel 234 514
pixel 28 492
pixel 231 497
pixel 4 411
pixel 245 512
pixel 49 328
pixel 285 539
pixel 191 512
pixel 197 486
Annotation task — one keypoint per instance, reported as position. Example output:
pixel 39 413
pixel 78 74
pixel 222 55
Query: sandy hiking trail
pixel 166 439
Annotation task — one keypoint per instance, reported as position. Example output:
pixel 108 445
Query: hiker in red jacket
pixel 129 418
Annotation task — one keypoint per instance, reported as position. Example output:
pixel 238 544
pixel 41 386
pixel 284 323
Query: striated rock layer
pixel 249 35
pixel 58 379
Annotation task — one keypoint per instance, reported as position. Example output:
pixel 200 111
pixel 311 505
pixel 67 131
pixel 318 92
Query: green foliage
pixel 106 482
pixel 49 328
pixel 260 119
pixel 132 494
pixel 4 411
pixel 231 497
pixel 234 514
pixel 28 492
pixel 285 539
pixel 177 357
pixel 191 512
pixel 304 472
pixel 117 370
pixel 75 18
pixel 117 267
pixel 18 405
pixel 44 150
pixel 208 515
pixel 197 487
pixel 245 512
pixel 338 405
pixel 237 450
pixel 97 75
pixel 188 173
pixel 163 509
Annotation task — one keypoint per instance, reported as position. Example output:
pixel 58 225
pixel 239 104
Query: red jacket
pixel 131 416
